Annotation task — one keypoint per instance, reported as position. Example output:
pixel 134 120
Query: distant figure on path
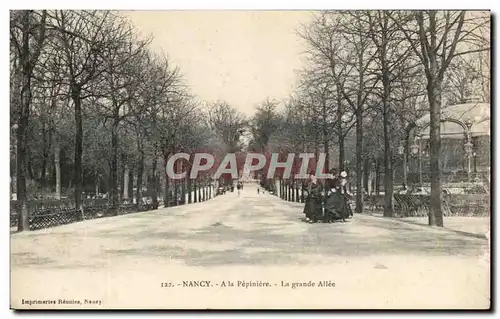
pixel 258 190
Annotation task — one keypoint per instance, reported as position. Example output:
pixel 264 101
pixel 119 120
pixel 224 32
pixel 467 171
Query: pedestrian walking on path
pixel 313 207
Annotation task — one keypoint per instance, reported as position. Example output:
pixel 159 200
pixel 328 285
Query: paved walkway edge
pixel 460 232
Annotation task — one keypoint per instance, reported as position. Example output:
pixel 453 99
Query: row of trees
pixel 369 75
pixel 95 110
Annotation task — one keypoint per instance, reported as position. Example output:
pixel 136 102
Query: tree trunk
pixel 30 162
pixel 166 199
pixel 96 183
pixel 131 183
pixel 126 182
pixel 340 113
pixel 388 175
pixel 204 190
pixel 326 141
pixel 114 166
pixel 359 159
pixel 341 153
pixel 366 173
pixel 57 164
pixel 158 183
pixel 154 188
pixel 317 144
pixel 121 175
pixel 183 190
pixel 371 180
pixel 77 101
pixel 14 168
pixel 24 114
pixel 140 173
pixel 190 190
pixel 434 95
pixel 377 177
pixel 195 199
pixel 50 161
pixel 176 191
pixel 297 196
pixel 199 192
pixel 45 156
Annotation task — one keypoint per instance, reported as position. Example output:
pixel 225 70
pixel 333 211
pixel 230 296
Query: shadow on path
pixel 456 231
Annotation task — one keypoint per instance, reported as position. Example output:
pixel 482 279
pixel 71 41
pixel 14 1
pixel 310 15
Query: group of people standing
pixel 328 202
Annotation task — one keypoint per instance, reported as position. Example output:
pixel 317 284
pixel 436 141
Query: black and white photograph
pixel 250 159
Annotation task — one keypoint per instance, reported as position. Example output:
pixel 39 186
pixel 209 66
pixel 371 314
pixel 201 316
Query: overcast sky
pixel 241 57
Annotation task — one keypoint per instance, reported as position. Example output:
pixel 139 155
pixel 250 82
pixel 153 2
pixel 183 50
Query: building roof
pixel 477 113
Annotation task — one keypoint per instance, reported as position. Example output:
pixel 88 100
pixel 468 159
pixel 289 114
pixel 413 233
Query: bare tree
pixel 437 38
pixel 338 44
pixel 81 37
pixel 227 123
pixel 264 124
pixel 125 59
pixel 27 31
pixel 359 86
pixel 392 53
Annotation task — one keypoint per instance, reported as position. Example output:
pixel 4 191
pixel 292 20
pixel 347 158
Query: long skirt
pixel 330 208
pixel 336 207
pixel 313 209
pixel 344 208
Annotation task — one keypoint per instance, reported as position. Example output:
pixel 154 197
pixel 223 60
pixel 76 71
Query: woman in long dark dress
pixel 331 200
pixel 344 195
pixel 313 206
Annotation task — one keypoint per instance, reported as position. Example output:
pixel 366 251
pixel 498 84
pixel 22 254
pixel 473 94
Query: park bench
pixel 466 205
pixel 374 202
pixel 50 213
pixel 411 205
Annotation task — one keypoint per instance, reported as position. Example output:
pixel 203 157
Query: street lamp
pixel 468 153
pixel 468 146
pixel 469 124
pixel 475 161
pixel 416 149
pixel 401 151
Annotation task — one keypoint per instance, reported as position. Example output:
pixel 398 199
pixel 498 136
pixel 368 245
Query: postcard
pixel 329 159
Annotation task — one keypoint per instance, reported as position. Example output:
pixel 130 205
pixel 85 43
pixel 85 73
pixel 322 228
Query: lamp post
pixel 475 161
pixel 468 147
pixel 468 152
pixel 401 151
pixel 416 150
